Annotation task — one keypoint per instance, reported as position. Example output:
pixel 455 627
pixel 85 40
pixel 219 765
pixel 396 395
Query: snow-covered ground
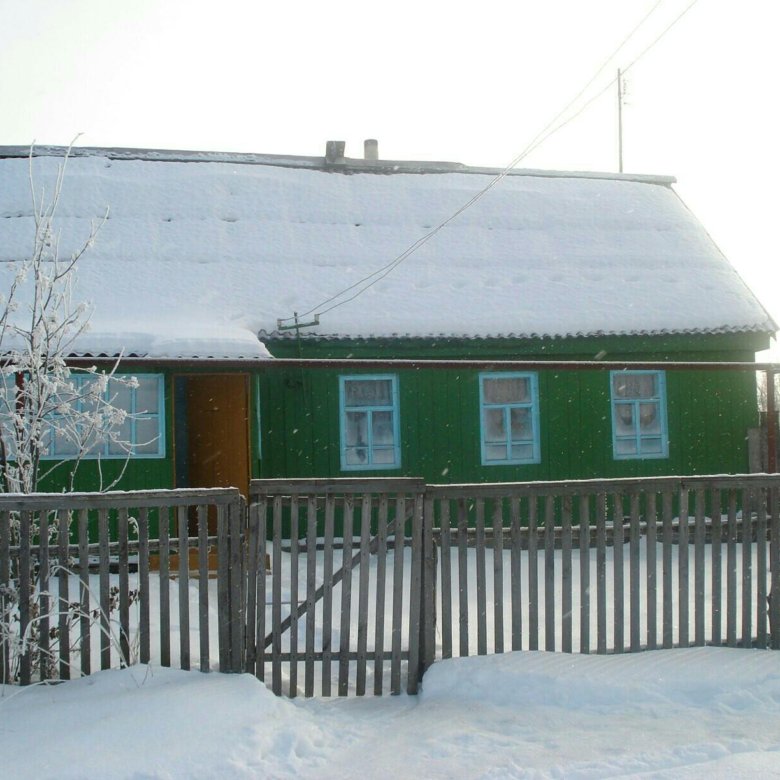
pixel 699 712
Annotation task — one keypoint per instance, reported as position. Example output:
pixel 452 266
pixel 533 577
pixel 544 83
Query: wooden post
pixel 771 422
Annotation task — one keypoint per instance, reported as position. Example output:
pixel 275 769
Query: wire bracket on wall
pixel 296 324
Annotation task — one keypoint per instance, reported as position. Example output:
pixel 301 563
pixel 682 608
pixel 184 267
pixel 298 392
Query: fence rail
pixel 91 580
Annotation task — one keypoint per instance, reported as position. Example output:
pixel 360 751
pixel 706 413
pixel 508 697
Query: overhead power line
pixel 552 127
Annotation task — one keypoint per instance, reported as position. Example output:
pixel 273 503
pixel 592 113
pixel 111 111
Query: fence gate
pixel 344 611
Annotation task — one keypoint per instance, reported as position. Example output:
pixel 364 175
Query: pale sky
pixel 471 83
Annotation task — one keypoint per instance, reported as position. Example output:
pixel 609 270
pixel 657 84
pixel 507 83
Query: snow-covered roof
pixel 202 251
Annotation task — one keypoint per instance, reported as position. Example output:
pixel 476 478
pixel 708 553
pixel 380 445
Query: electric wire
pixel 541 137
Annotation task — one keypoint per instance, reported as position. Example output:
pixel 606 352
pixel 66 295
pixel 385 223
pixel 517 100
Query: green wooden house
pixel 212 269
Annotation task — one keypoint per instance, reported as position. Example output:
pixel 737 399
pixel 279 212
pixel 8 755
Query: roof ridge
pixel 343 165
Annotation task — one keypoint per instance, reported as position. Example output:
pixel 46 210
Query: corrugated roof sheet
pixel 201 251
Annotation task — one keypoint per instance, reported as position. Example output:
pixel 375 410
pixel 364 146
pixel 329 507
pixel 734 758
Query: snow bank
pixel 702 712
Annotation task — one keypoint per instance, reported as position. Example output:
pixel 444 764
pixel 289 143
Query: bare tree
pixel 47 406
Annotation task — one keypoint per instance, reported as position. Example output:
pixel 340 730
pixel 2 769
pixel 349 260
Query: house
pixel 211 267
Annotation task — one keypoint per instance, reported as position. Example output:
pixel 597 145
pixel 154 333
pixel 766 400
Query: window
pixel 509 405
pixel 143 428
pixel 639 415
pixel 369 422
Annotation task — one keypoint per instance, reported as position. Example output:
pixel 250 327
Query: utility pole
pixel 620 120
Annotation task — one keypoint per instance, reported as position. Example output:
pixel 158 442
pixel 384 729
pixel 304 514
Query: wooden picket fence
pixel 594 566
pixel 65 566
pixel 604 566
pixel 359 585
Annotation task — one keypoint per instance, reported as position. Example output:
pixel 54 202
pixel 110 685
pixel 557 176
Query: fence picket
pixel 45 661
pixel 668 638
pixel 62 522
pixel 346 596
pixel 601 573
pixel 5 587
pixel 549 572
pixel 731 571
pixel 202 520
pixel 398 594
pixel 698 568
pixel 617 569
pixel 165 593
pixel 566 581
pixel 276 599
pixel 516 571
pixel 362 637
pixel 124 588
pixel 446 579
pixel 747 568
pixel 144 602
pixel 635 615
pixel 463 583
pixel 480 553
pixel 498 575
pixel 381 577
pixel 651 570
pixel 84 611
pixel 533 576
pixel 293 631
pixel 774 567
pixel 105 596
pixel 682 569
pixel 715 556
pixel 261 585
pixel 311 588
pixel 584 574
pixel 327 600
pixel 25 593
pixel 761 571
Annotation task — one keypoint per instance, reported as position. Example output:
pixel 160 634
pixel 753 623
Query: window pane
pixel 495 429
pixel 384 456
pixel 652 446
pixel 649 418
pixel 522 451
pixel 624 418
pixel 495 452
pixel 122 447
pixel 64 446
pixel 520 420
pixel 357 456
pixel 147 395
pixel 625 447
pixel 634 385
pixel 382 428
pixel 147 433
pixel 511 390
pixel 368 392
pixel 356 428
pixel 120 396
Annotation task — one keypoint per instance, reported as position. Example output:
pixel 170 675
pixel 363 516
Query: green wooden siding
pixel 709 412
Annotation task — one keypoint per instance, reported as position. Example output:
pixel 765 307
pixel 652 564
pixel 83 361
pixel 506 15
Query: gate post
pixel 230 590
pixel 428 593
pixel 774 565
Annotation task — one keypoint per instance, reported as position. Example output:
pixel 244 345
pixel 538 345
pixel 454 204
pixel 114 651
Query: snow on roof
pixel 202 251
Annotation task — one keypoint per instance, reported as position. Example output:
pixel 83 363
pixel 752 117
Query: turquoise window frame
pixel 370 410
pixel 506 407
pixel 642 440
pixel 103 451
